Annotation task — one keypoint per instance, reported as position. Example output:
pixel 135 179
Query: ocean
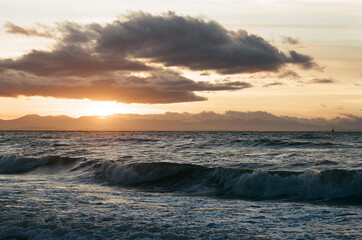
pixel 180 185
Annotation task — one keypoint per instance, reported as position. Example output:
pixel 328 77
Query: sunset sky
pixel 298 58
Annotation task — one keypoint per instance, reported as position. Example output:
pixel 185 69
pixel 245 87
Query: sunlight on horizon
pixel 14 107
pixel 328 37
pixel 103 109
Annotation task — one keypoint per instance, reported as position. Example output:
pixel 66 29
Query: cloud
pixel 70 61
pixel 273 84
pixel 322 80
pixel 290 40
pixel 194 43
pixel 289 74
pixel 304 61
pixel 341 108
pixel 26 31
pixel 160 86
pixel 95 61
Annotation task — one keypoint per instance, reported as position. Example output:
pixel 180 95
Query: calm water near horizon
pixel 180 185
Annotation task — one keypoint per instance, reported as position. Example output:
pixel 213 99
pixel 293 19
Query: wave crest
pixel 136 173
pixel 267 142
pixel 312 185
pixel 17 163
pixel 207 181
pixel 246 183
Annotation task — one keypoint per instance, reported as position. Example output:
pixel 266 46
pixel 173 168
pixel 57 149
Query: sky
pixel 297 58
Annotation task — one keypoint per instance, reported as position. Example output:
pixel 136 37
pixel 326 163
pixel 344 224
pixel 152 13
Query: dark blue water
pixel 180 185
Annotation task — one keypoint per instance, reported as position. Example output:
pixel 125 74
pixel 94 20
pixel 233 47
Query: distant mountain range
pixel 204 121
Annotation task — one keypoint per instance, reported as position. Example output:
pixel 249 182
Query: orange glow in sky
pixel 328 31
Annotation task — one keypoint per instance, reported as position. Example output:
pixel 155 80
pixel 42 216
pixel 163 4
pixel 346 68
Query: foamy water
pixel 180 185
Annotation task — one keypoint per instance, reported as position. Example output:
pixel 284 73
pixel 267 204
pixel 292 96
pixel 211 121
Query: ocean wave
pixel 267 142
pixel 311 185
pixel 136 173
pixel 227 182
pixel 326 162
pixel 201 180
pixel 139 140
pixel 60 145
pixel 17 163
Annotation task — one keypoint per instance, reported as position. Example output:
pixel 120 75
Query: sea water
pixel 180 185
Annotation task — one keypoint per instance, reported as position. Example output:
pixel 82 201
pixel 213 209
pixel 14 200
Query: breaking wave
pixel 227 182
pixel 17 163
pixel 197 180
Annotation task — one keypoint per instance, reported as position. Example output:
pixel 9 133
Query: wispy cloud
pixel 16 29
pixel 290 40
pixel 289 74
pixel 323 80
pixel 273 84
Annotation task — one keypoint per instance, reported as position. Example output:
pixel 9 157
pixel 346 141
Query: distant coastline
pixel 205 121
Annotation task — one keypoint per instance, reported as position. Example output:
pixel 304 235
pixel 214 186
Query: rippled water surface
pixel 180 185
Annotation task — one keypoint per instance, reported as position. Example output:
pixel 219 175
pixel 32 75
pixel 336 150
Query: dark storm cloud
pixel 15 29
pixel 94 61
pixel 290 40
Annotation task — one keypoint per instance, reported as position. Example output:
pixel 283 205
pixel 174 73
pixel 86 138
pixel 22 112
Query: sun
pixel 104 108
